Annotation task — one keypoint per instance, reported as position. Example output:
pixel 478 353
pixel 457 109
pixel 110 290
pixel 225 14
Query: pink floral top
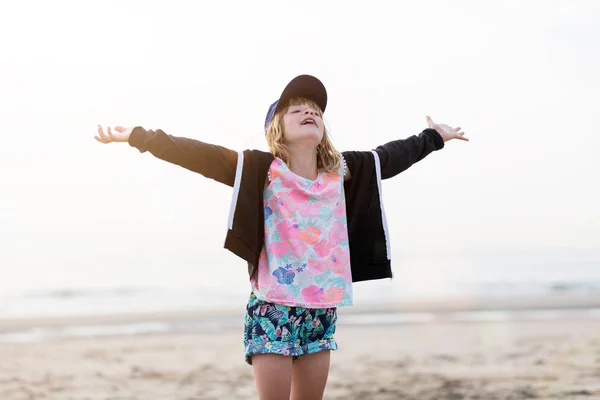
pixel 305 260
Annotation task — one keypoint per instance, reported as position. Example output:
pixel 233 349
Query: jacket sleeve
pixel 399 155
pixel 212 161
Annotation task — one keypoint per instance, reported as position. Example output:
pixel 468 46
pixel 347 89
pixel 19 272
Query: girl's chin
pixel 307 136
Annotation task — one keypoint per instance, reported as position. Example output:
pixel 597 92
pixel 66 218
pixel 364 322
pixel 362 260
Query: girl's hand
pixel 446 131
pixel 119 135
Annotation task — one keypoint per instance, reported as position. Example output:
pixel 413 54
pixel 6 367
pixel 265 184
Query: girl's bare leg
pixel 273 375
pixel 309 376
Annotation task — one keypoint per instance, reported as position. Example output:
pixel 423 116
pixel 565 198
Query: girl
pixel 307 219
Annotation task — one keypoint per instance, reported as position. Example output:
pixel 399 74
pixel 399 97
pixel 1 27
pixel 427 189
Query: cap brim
pixel 305 86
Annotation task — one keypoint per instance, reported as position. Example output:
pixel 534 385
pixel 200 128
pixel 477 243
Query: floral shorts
pixel 289 331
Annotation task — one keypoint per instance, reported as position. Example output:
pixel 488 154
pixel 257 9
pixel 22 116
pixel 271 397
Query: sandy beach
pixel 556 358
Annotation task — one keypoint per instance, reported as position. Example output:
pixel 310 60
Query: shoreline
pixel 410 311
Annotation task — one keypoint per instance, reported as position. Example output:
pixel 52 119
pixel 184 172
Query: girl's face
pixel 303 123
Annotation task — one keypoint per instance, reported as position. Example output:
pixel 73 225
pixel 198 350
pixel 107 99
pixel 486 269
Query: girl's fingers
pixel 98 139
pixel 102 134
pixel 110 134
pixel 457 129
pixel 119 129
pixel 429 120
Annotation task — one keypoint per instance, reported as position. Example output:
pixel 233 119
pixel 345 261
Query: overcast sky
pixel 520 77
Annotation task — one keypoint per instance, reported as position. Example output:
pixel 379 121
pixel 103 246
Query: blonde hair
pixel 328 158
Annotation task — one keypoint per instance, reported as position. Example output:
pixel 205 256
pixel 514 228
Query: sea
pixel 418 277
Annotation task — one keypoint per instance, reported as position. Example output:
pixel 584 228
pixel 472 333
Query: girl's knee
pixel 273 375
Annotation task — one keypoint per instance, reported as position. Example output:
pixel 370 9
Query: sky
pixel 520 78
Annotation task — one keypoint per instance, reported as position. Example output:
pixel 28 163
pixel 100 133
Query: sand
pixel 519 359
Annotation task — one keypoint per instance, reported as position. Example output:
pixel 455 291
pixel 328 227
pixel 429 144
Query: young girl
pixel 307 219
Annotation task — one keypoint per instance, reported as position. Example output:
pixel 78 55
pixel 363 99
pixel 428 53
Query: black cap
pixel 305 86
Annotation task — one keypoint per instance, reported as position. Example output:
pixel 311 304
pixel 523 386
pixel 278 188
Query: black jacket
pixel 246 171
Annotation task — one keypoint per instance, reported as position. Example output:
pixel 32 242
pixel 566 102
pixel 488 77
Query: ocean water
pixel 417 277
pixel 163 288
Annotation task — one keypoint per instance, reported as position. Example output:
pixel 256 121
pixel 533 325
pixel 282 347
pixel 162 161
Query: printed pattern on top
pixel 305 260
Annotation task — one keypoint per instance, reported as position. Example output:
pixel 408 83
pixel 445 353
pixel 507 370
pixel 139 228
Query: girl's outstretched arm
pixel 212 161
pixel 399 155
